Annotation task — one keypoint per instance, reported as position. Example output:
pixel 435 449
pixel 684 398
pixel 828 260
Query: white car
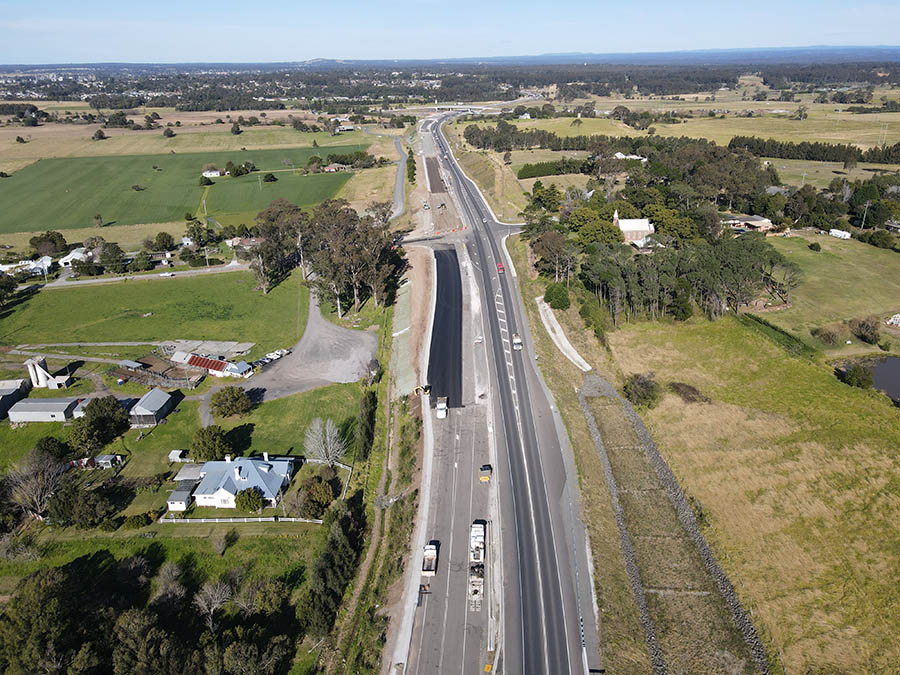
pixel 167 274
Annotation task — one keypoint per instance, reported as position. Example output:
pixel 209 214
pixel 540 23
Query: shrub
pixel 557 296
pixel 269 178
pixel 856 376
pixel 137 521
pixel 866 329
pixel 815 246
pixel 230 401
pixel 826 335
pixel 204 181
pixel 209 444
pixel 249 500
pixel 642 390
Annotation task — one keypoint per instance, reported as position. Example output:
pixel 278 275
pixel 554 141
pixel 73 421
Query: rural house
pixel 748 223
pixel 151 408
pixel 635 230
pixel 222 481
pixel 79 254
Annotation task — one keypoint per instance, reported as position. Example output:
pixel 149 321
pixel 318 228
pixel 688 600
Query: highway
pixel 540 579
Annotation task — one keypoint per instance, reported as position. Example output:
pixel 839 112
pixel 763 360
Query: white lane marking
pixel 452 522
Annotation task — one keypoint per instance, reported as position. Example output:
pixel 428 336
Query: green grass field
pixel 67 193
pixel 846 279
pixel 220 307
pixel 238 200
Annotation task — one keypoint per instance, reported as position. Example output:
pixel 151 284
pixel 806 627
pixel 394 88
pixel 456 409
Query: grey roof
pixel 151 402
pixel 106 458
pixel 44 405
pixel 180 495
pixel 243 473
pixel 128 363
pixel 189 472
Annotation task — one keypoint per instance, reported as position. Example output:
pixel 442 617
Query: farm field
pixel 220 307
pixel 796 476
pixel 823 124
pixel 798 172
pixel 238 200
pixel 67 193
pixel 67 140
pixel 847 279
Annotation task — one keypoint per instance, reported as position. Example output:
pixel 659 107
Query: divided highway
pixel 538 615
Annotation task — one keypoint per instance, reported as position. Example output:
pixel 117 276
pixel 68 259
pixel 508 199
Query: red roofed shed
pixel 209 364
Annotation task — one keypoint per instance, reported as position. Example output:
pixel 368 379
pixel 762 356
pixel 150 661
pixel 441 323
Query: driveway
pixel 326 354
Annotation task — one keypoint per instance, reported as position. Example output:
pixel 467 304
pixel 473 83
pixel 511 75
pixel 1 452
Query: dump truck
pixel 476 565
pixel 485 473
pixel 430 559
pixel 441 407
pixel 517 342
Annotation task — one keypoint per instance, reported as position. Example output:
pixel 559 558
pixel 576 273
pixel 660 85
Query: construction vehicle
pixel 476 565
pixel 430 559
pixel 440 409
pixel 485 473
pixel 516 342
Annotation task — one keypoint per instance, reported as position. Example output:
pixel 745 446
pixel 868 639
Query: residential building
pixel 79 254
pixel 635 230
pixel 43 410
pixel 840 234
pixel 621 155
pixel 151 408
pixel 222 481
pixel 212 173
pixel 750 223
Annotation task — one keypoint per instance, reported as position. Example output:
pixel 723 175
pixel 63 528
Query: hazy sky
pixel 54 31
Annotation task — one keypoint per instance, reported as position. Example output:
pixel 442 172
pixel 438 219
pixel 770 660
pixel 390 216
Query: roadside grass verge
pixel 794 475
pixel 216 307
pixel 497 181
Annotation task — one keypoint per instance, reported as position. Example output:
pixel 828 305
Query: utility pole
pixel 804 180
pixel 260 182
pixel 865 212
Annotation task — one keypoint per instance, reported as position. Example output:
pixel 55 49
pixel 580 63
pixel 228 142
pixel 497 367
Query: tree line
pixel 816 151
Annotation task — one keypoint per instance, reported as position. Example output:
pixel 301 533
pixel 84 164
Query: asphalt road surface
pixel 544 605
pixel 445 364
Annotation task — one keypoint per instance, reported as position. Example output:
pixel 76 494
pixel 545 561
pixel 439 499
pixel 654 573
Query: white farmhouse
pixel 222 481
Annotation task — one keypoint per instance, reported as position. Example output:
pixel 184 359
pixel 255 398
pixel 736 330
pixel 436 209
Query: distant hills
pixel 700 57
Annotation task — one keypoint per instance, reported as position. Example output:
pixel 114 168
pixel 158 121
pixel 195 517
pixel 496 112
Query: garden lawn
pixel 67 192
pixel 216 307
pixel 278 426
pixel 796 476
